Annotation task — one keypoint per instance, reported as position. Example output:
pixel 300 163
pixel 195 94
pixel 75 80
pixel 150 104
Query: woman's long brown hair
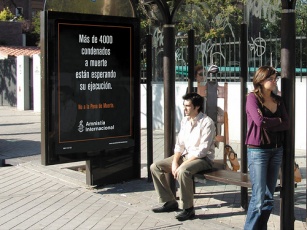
pixel 263 73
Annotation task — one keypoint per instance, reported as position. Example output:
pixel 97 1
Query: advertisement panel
pixel 92 79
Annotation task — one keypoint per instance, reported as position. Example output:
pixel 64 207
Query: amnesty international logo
pixel 94 126
pixel 81 126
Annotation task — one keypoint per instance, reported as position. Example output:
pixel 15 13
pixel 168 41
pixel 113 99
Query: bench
pixel 225 176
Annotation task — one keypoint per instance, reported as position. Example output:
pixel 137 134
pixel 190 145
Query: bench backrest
pixel 212 92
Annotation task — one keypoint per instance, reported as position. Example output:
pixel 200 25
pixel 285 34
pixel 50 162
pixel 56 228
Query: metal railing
pixel 225 53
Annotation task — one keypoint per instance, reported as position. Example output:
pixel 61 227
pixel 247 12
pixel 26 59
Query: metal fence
pixel 224 53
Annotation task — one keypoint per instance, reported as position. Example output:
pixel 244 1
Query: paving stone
pixel 33 196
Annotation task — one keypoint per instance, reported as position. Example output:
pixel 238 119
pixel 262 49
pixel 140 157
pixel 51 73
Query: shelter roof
pixel 6 51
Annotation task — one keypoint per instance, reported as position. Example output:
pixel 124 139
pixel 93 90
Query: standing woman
pixel 267 120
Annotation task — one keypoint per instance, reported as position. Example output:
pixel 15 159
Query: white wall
pixel 37 83
pixel 234 106
pixel 300 113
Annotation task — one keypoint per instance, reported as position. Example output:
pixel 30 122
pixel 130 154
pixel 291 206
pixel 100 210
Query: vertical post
pixel 23 78
pixel 169 95
pixel 243 80
pixel 89 173
pixel 288 94
pixel 191 60
pixel 149 104
pixel 44 91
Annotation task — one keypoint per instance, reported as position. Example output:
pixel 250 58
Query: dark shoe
pixel 186 214
pixel 169 206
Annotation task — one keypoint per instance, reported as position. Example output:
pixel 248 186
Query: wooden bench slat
pixel 228 177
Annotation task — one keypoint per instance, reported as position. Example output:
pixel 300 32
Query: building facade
pixel 18 33
pixel 25 8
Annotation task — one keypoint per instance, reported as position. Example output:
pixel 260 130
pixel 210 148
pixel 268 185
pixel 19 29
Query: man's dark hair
pixel 196 99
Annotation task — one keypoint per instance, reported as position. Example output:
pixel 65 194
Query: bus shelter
pixel 253 35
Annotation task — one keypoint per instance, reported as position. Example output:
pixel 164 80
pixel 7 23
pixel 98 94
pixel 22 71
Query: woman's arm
pixel 254 111
pixel 284 120
pixel 274 123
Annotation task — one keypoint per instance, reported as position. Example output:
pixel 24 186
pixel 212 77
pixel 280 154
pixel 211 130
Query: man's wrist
pixel 176 157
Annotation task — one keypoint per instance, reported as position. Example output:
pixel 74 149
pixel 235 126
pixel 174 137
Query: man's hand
pixel 175 166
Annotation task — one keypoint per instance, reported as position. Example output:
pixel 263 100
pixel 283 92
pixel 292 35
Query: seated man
pixel 193 152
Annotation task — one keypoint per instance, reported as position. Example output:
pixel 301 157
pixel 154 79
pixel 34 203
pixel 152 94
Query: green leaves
pixel 6 14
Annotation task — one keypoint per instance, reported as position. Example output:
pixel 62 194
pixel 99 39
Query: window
pixel 19 11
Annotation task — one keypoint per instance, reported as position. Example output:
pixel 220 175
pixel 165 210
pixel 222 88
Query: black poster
pixel 92 84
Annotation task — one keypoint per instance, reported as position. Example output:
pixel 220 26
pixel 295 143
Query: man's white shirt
pixel 196 137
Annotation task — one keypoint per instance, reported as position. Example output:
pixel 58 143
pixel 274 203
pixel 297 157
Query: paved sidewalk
pixel 33 196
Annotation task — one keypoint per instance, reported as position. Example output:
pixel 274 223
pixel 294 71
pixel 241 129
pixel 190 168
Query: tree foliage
pixel 210 19
pixel 222 18
pixel 6 14
pixel 213 19
pixel 36 23
pixel 301 17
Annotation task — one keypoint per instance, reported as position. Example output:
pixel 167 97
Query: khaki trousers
pixel 185 179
